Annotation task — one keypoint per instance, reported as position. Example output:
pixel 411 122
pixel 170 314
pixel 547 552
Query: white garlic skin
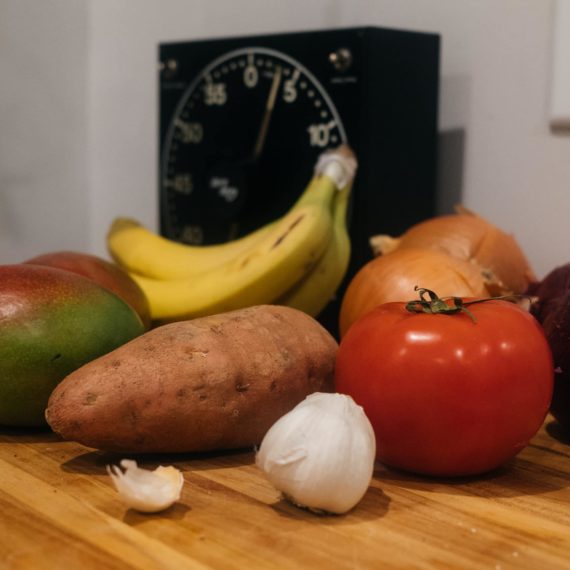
pixel 321 454
pixel 144 490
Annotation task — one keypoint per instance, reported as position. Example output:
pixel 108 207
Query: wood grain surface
pixel 60 510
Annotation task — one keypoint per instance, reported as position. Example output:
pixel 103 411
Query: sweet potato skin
pixel 212 383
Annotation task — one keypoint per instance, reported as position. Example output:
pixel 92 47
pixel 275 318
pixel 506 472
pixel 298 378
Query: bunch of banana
pixel 298 260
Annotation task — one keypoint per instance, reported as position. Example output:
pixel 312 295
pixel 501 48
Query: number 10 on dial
pixel 241 144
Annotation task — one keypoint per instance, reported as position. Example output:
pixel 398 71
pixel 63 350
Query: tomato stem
pixel 439 305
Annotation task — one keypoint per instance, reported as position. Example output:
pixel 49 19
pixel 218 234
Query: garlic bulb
pixel 321 454
pixel 144 490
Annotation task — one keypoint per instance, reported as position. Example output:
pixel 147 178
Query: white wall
pixel 494 93
pixel 43 127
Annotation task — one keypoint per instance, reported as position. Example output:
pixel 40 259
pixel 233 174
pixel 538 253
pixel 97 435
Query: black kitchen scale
pixel 243 120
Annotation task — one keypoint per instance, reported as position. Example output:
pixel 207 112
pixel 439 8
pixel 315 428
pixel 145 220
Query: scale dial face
pixel 241 145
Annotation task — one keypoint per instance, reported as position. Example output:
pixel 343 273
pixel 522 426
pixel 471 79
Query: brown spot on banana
pixel 294 223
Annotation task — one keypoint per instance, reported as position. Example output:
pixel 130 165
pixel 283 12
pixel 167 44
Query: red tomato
pixel 446 395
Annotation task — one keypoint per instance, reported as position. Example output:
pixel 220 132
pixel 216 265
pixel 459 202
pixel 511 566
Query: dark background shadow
pixel 450 170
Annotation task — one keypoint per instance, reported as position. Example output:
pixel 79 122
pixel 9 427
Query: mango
pixel 101 271
pixel 51 323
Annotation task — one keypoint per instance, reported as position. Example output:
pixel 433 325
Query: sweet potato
pixel 216 382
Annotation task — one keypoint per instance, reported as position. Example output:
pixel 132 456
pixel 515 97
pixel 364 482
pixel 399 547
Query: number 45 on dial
pixel 246 131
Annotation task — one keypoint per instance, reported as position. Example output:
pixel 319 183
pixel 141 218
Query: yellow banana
pixel 257 276
pixel 314 291
pixel 139 250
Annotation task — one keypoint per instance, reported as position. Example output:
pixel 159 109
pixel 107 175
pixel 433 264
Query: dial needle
pixel 260 142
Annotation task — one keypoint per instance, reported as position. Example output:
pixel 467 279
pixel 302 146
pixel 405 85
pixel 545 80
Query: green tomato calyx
pixel 448 305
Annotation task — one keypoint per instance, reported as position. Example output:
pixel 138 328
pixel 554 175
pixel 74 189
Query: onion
pixel 469 237
pixel 393 277
pixel 551 306
pixel 549 292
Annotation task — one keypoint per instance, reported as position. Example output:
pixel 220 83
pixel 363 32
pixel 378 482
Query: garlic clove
pixel 144 490
pixel 321 454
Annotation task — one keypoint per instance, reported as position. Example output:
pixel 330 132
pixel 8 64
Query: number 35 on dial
pixel 241 145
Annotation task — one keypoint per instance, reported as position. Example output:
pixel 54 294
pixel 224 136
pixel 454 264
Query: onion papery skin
pixel 469 237
pixel 392 277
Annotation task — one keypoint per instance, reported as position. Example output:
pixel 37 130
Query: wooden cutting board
pixel 59 510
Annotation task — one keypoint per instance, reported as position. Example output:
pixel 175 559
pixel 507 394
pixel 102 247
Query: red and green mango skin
pixel 51 323
pixel 103 272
